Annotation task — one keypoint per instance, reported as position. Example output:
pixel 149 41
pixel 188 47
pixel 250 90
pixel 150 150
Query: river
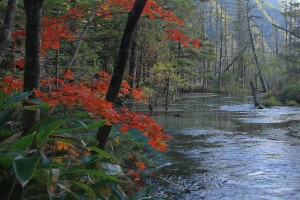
pixel 223 148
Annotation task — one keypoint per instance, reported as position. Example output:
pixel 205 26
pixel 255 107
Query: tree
pixel 119 69
pixel 7 28
pixel 32 69
pixel 259 71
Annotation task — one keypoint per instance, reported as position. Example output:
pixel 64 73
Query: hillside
pixel 264 14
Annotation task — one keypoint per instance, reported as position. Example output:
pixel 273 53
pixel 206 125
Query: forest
pixel 149 99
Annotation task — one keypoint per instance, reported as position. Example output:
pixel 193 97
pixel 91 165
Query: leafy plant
pixel 57 166
pixel 271 101
pixel 32 159
pixel 292 103
pixel 291 92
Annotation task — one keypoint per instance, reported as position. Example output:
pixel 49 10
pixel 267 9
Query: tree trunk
pixel 118 72
pixel 167 93
pixel 254 92
pixel 221 51
pixel 32 69
pixel 261 78
pixel 7 27
pixel 77 48
pixel 133 60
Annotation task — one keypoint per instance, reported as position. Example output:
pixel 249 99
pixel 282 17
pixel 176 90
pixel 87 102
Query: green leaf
pixel 41 175
pixel 86 188
pixel 79 122
pixel 24 168
pixel 3 95
pixel 5 133
pixel 17 97
pixel 86 161
pixel 33 108
pixel 81 115
pixel 92 172
pixel 47 124
pixel 102 152
pixel 143 193
pixel 22 144
pixel 118 192
pixel 92 143
pixel 5 162
pixel 5 115
pixel 39 103
pixel 42 136
pixel 81 126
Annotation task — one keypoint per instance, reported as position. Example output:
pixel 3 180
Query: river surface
pixel 223 148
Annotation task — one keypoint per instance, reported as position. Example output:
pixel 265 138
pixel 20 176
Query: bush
pixel 292 103
pixel 268 95
pixel 49 163
pixel 290 93
pixel 271 101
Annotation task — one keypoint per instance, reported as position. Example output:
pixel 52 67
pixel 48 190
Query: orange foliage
pixel 79 94
pixel 136 175
pixel 68 75
pixel 91 97
pixel 145 125
pixel 53 31
pixel 138 94
pixel 153 10
pixel 10 85
pixel 141 165
pixel 178 36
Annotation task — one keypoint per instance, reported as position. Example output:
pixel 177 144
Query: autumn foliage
pixel 53 31
pixel 153 10
pixel 91 97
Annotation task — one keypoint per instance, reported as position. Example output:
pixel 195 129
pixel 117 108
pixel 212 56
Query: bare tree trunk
pixel 87 26
pixel 167 93
pixel 32 69
pixel 254 92
pixel 133 60
pixel 261 78
pixel 7 27
pixel 221 51
pixel 56 66
pixel 287 31
pixel 117 77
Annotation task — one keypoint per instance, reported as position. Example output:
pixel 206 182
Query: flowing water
pixel 223 148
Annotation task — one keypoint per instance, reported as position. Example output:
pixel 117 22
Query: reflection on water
pixel 223 148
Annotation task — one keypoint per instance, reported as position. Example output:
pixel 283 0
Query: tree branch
pixel 290 32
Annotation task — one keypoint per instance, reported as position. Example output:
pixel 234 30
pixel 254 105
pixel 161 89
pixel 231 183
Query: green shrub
pixel 291 92
pixel 292 103
pixel 272 101
pixel 268 95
